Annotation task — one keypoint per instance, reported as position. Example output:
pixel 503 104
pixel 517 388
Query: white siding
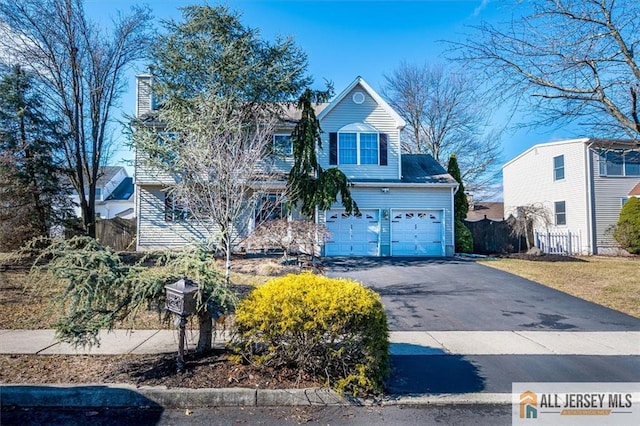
pixel 529 179
pixel 369 112
pixel 608 193
pixel 406 198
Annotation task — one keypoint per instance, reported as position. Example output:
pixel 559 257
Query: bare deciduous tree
pixel 446 115
pixel 218 162
pixel 525 218
pixel 290 236
pixel 80 70
pixel 568 60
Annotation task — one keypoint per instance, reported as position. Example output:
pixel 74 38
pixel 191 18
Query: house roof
pixel 400 123
pixel 485 210
pixel 292 114
pixel 423 168
pixel 123 191
pixel 635 191
pixel 107 173
pixel 599 142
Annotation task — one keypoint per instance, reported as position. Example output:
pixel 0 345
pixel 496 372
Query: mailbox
pixel 181 297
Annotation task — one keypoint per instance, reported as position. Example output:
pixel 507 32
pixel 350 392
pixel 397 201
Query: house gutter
pixel 405 185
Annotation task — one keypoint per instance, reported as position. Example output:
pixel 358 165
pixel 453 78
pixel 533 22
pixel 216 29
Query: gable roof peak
pixel 400 123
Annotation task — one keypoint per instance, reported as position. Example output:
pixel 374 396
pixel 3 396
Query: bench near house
pixel 405 200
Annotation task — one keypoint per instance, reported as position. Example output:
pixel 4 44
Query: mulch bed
pixel 211 370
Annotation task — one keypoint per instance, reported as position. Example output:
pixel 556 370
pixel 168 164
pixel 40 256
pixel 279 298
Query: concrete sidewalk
pixel 611 343
pixel 430 368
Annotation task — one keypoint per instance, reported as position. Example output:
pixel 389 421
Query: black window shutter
pixel 383 149
pixel 333 148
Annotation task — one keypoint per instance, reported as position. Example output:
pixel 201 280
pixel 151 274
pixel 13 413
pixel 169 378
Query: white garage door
pixel 417 233
pixel 352 235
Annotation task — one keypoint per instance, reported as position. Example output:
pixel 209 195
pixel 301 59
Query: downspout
pixel 454 191
pixel 590 201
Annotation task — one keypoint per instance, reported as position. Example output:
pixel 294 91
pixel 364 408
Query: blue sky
pixel 344 39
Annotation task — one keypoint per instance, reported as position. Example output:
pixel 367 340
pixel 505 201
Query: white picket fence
pixel 565 243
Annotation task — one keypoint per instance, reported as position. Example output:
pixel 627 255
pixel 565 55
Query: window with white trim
pixel 558 167
pixel 560 213
pixel 358 148
pixel 283 145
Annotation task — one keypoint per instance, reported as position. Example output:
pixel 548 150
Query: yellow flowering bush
pixel 333 328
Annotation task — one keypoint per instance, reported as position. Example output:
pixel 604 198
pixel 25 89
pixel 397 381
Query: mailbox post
pixel 181 300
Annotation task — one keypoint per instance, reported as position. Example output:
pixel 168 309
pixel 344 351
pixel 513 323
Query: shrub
pixel 463 237
pixel 627 231
pixel 98 290
pixel 331 328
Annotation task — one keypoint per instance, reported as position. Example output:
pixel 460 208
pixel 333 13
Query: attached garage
pixel 417 233
pixel 353 235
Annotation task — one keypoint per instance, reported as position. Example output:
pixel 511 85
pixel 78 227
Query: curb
pixel 123 395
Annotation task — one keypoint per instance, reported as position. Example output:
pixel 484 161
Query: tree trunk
pixel 205 335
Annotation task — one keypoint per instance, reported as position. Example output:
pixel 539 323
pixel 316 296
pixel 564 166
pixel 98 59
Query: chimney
pixel 144 96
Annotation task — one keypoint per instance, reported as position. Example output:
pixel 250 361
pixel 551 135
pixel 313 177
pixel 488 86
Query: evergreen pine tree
pixel 308 183
pixel 32 197
pixel 463 237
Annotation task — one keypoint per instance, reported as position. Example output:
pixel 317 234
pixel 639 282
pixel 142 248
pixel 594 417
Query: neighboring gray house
pixel 114 194
pixel 583 183
pixel 406 201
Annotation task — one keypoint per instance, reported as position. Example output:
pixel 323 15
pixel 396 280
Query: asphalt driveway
pixel 460 295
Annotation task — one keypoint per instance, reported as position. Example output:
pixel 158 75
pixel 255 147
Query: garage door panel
pixel 416 233
pixel 352 235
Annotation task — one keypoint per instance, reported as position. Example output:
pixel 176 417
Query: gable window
pixel 358 143
pixel 368 148
pixel 558 167
pixel 358 148
pixel 560 213
pixel 347 148
pixel 618 163
pixel 98 194
pixel 283 145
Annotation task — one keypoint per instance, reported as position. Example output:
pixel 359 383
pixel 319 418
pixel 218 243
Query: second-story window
pixel 358 148
pixel 619 163
pixel 283 145
pixel 558 167
pixel 98 194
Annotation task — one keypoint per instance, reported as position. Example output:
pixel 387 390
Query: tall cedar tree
pixel 460 203
pixel 309 184
pixel 32 196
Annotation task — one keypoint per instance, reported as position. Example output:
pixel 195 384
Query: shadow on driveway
pixel 418 370
pixel 338 264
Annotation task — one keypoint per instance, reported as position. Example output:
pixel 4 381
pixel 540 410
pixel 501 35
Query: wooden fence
pixel 494 237
pixel 117 233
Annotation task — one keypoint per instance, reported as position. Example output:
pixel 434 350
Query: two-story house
pixel 583 184
pixel 405 201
